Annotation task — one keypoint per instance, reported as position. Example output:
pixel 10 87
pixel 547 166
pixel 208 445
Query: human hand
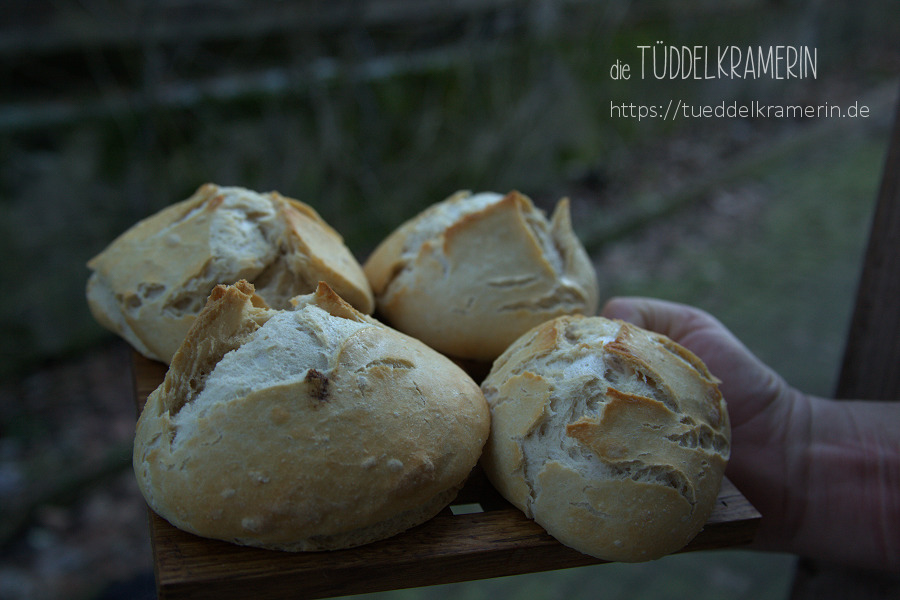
pixel 825 474
pixel 767 415
pixel 750 387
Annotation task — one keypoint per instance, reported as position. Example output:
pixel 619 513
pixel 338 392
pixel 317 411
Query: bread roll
pixel 149 284
pixel 471 274
pixel 315 428
pixel 612 438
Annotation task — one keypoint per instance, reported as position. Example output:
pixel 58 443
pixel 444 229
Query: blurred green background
pixel 369 111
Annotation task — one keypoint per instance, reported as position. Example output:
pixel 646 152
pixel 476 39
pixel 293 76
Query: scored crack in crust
pixel 149 284
pixel 470 274
pixel 613 438
pixel 313 428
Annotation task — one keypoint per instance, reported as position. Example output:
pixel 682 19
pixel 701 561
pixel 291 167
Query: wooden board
pixel 494 542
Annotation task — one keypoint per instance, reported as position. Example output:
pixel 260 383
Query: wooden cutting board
pixel 493 541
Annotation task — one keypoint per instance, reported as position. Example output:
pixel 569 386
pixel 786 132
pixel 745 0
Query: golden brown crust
pixel 322 256
pixel 232 313
pixel 149 284
pixel 376 438
pixel 468 276
pixel 613 438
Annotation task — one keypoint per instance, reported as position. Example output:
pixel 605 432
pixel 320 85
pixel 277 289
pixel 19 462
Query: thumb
pixel 668 318
pixel 625 309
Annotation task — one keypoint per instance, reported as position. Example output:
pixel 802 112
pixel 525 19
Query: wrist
pixel 768 464
pixel 847 495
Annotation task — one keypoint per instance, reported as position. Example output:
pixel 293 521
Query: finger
pixel 623 308
pixel 662 316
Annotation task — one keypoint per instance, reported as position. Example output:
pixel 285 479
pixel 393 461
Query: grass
pixel 737 575
pixel 785 282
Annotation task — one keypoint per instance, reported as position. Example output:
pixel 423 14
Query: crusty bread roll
pixel 149 284
pixel 308 429
pixel 612 438
pixel 469 275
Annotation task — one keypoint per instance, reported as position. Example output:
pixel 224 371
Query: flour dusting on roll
pixel 313 428
pixel 613 438
pixel 469 275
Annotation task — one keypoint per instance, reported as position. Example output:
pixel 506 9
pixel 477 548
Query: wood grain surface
pixel 872 352
pixel 497 541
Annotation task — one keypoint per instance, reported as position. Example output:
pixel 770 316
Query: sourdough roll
pixel 149 284
pixel 313 428
pixel 471 274
pixel 612 438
